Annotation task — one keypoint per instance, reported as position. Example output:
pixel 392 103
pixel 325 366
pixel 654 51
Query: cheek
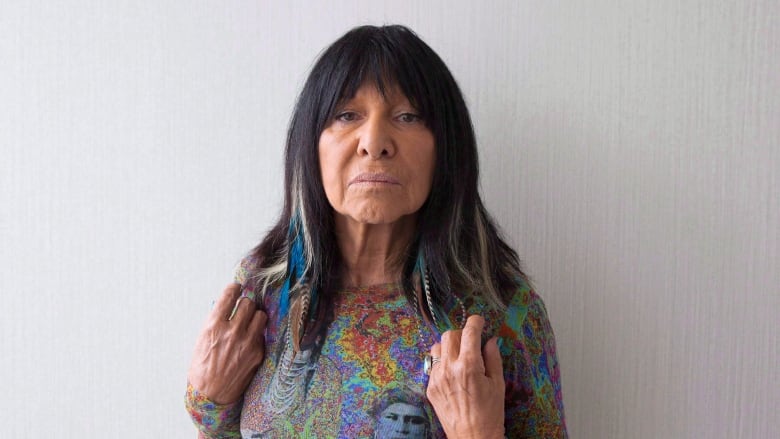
pixel 330 172
pixel 427 155
pixel 328 183
pixel 428 161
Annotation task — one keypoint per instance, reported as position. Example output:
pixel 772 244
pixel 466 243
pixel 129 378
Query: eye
pixel 409 118
pixel 346 116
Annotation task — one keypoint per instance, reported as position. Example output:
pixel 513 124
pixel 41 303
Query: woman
pixel 400 413
pixel 384 270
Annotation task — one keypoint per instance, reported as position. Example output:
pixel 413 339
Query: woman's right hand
pixel 228 351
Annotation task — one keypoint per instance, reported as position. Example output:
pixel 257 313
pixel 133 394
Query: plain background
pixel 629 149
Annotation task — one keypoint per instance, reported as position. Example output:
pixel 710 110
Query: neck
pixel 373 253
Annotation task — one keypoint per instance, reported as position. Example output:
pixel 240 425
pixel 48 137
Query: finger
pixel 471 338
pixel 435 353
pixel 436 350
pixel 493 365
pixel 450 345
pixel 226 302
pixel 256 327
pixel 243 311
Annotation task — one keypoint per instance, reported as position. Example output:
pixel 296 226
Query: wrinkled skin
pixel 466 388
pixel 228 352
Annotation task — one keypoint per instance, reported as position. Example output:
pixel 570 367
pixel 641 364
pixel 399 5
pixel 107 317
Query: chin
pixel 377 216
pixel 376 219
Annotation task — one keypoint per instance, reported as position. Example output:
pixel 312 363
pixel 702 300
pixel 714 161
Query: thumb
pixel 492 356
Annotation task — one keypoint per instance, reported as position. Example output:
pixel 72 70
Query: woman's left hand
pixel 466 386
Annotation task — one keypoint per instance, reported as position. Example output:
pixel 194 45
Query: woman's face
pixel 401 421
pixel 376 157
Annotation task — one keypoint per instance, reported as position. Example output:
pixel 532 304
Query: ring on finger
pixel 429 362
pixel 235 307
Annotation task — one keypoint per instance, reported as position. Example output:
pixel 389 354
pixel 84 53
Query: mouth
pixel 374 178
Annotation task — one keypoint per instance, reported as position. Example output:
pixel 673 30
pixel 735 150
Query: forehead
pixel 391 94
pixel 400 408
pixel 387 82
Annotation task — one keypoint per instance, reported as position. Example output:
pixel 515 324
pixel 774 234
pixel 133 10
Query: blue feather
pixel 296 263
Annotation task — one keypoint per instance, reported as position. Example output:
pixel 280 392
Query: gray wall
pixel 630 150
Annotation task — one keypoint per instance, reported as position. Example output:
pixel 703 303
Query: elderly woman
pixel 384 271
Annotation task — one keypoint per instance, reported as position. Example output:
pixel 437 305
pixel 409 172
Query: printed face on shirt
pixel 402 421
pixel 377 157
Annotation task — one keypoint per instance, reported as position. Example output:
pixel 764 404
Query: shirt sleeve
pixel 534 403
pixel 213 421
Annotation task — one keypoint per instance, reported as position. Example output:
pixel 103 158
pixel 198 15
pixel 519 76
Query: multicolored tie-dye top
pixel 363 376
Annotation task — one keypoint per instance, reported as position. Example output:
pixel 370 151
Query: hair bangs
pixel 385 61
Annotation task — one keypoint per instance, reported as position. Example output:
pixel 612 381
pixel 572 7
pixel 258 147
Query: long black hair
pixel 457 241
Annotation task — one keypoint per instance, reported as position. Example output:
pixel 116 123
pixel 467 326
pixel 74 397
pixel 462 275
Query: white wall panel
pixel 630 150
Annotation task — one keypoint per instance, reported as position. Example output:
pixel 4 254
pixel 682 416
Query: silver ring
pixel 429 362
pixel 235 307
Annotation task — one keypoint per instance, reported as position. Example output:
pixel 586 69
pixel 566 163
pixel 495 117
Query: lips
pixel 374 177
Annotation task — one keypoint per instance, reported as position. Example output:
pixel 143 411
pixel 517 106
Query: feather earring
pixel 440 319
pixel 298 298
pixel 299 312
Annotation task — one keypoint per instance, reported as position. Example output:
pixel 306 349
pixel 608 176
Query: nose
pixel 376 139
pixel 402 429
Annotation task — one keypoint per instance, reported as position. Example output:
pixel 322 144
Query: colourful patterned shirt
pixel 362 376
